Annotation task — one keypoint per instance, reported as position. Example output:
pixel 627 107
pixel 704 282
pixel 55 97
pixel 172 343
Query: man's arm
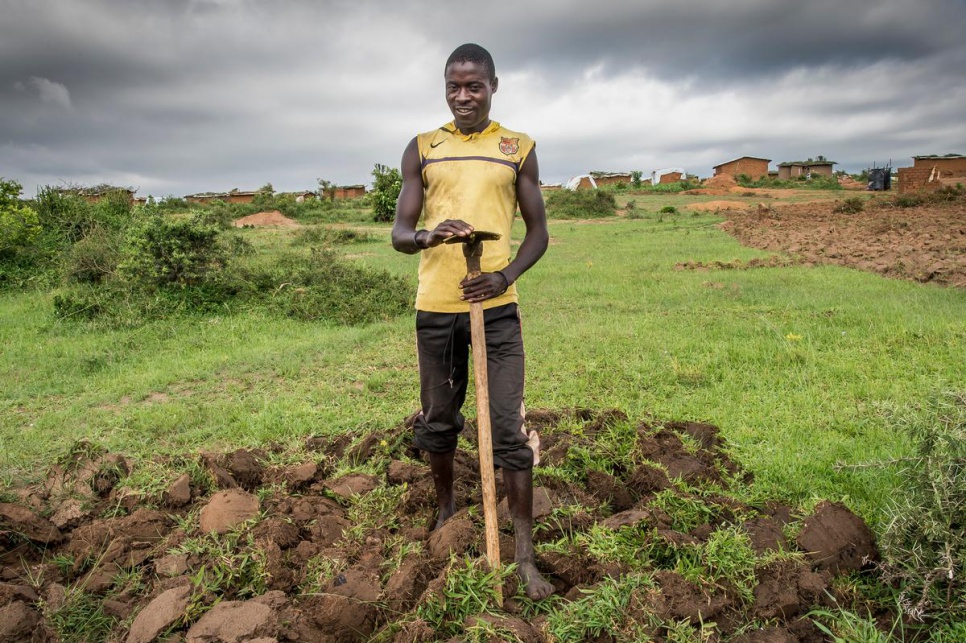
pixel 535 240
pixel 409 206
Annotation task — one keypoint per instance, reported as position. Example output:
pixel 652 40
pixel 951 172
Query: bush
pixel 907 200
pixel 668 209
pixel 92 259
pixel 164 251
pixel 924 545
pixel 851 205
pixel 19 224
pixel 324 287
pixel 581 204
pixel 385 192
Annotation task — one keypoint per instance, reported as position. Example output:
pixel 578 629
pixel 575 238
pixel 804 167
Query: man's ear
pixel 494 84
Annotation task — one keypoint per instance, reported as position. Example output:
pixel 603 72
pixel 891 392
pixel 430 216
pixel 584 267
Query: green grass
pixel 798 366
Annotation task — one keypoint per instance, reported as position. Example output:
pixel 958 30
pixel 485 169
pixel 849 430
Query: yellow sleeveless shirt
pixel 470 177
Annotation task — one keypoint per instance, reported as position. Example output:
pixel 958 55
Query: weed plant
pixel 924 543
pixel 604 611
pixel 469 589
pixel 851 205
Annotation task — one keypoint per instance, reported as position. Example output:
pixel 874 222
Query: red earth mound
pixel 260 545
pixel 273 218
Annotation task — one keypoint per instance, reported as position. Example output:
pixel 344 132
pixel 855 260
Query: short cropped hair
pixel 470 53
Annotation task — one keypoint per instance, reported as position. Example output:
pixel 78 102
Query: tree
pixel 385 191
pixel 19 224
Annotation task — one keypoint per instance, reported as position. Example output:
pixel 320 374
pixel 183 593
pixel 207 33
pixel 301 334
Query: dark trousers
pixel 443 340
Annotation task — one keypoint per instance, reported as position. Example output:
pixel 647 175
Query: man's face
pixel 468 92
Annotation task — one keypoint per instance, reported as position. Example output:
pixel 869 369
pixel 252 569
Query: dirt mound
pixel 722 180
pixel 273 218
pixel 304 551
pixel 926 243
pixel 715 206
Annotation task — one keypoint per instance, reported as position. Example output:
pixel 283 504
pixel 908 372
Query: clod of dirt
pixel 407 583
pixel 837 540
pixel 785 590
pixel 158 615
pixel 680 599
pixel 299 476
pixel 400 472
pixel 246 468
pixel 520 629
pixel 456 535
pixel 19 623
pixel 606 488
pixel 236 621
pixel 26 523
pixel 227 509
pixel 356 484
pixel 178 493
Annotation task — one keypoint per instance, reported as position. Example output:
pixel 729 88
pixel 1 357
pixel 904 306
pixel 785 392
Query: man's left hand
pixel 487 286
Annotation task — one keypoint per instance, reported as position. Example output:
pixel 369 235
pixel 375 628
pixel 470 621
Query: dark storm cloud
pixel 189 95
pixel 727 41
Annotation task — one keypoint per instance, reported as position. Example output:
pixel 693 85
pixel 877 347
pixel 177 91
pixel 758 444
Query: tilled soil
pixel 926 243
pixel 242 548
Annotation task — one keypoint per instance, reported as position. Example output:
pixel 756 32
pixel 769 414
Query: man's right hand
pixel 447 229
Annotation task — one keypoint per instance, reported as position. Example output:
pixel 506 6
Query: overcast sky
pixel 180 96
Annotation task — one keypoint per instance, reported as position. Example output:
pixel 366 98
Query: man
pixel 472 174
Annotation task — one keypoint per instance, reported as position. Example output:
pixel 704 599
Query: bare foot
pixel 535 585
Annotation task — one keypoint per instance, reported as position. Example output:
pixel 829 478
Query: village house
pixel 339 192
pixel 751 166
pixel 611 178
pixel 812 167
pixel 233 196
pixel 98 192
pixel 930 173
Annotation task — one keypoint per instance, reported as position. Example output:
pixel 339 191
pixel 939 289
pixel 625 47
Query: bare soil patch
pixel 926 243
pixel 715 206
pixel 273 218
pixel 304 567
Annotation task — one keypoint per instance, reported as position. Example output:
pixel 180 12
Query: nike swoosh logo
pixel 437 143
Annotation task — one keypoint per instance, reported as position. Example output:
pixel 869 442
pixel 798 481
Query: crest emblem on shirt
pixel 509 145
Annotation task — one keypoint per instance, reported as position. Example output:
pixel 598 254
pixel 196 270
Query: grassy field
pixel 803 369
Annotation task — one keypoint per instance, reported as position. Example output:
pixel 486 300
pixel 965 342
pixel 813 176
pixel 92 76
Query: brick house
pixel 754 167
pixel 930 173
pixel 234 196
pixel 338 192
pixel 611 178
pixel 98 192
pixel 812 167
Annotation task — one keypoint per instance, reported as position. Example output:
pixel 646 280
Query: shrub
pixel 907 200
pixel 924 544
pixel 669 209
pixel 171 251
pixel 93 258
pixel 385 192
pixel 325 287
pixel 19 224
pixel 851 205
pixel 581 204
